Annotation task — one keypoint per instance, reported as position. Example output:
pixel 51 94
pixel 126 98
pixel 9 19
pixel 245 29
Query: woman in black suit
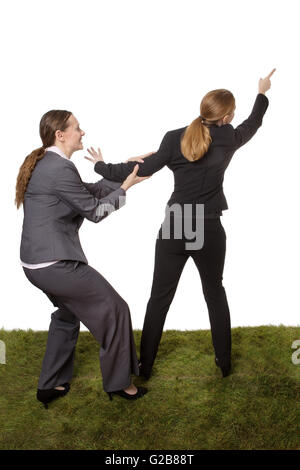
pixel 198 155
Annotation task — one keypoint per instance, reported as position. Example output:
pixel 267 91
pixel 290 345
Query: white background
pixel 130 71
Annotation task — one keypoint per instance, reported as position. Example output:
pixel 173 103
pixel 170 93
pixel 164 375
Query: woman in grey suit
pixel 55 202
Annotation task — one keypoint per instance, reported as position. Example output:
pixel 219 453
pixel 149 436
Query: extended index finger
pixel 271 73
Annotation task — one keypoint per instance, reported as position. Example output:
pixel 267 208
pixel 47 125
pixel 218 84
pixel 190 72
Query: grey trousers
pixel 83 295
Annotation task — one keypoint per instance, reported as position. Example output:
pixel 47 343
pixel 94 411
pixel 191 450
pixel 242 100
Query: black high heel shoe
pixel 140 392
pixel 225 369
pixel 50 394
pixel 144 372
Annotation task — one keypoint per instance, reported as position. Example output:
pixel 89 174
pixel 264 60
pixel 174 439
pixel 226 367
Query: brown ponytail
pixel 51 122
pixel 196 139
pixel 25 173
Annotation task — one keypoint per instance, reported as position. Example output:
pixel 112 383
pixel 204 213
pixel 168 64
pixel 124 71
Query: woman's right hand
pixel 133 179
pixel 264 84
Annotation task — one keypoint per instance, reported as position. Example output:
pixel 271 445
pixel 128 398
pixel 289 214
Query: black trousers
pixel 170 258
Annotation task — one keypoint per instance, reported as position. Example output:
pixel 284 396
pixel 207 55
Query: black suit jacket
pixel 200 181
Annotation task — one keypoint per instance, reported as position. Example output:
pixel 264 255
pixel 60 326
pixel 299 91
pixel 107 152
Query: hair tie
pixel 201 117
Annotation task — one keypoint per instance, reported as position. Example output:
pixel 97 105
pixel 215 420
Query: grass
pixel 189 405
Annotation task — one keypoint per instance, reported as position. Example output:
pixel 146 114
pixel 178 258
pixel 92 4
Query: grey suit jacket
pixel 55 204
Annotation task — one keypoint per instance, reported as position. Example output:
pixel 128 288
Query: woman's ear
pixel 59 135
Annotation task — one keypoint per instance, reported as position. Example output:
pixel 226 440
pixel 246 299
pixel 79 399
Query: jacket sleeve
pixel 120 171
pixel 246 130
pixel 101 188
pixel 69 188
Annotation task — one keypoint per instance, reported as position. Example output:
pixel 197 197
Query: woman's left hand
pixel 96 156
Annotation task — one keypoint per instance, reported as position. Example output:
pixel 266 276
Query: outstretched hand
pixel 96 156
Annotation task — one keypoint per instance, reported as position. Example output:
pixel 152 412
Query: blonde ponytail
pixel 196 139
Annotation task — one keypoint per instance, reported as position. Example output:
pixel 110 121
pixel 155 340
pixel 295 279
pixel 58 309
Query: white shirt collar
pixel 55 149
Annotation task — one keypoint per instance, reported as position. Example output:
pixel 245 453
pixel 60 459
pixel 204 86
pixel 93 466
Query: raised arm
pixel 120 171
pixel 245 131
pixel 69 188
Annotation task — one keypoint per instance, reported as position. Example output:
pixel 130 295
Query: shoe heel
pixel 110 395
pixel 225 369
pixel 146 374
pixel 46 396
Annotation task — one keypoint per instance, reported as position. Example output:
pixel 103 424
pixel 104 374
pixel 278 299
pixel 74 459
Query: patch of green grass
pixel 189 404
